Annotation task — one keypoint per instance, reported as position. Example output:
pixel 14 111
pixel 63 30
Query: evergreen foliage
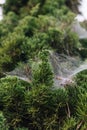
pixel 43 74
pixel 28 31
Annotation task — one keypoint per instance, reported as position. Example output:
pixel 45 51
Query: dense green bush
pixel 12 50
pixel 28 31
pixel 14 5
pixel 12 95
pixel 11 21
pixel 34 109
pixel 42 107
pixel 43 74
